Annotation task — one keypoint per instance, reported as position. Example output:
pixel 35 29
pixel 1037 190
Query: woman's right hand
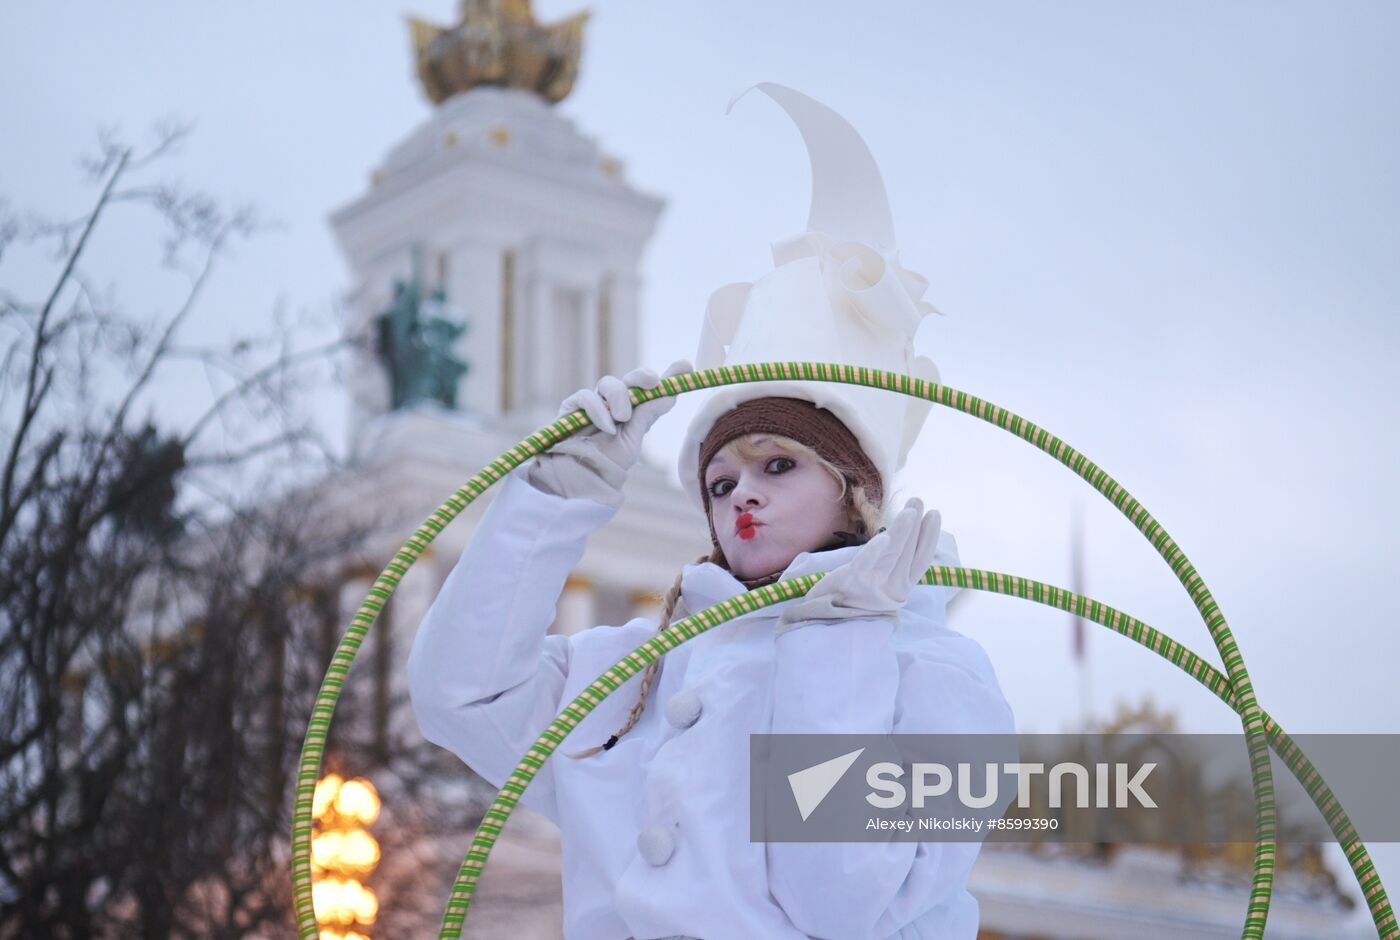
pixel 593 462
pixel 618 428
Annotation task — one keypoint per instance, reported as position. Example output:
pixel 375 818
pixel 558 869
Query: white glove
pixel 593 463
pixel 876 582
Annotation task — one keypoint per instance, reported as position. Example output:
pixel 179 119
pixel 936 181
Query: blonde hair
pixel 863 513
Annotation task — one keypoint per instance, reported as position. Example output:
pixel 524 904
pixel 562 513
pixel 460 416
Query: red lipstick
pixel 744 525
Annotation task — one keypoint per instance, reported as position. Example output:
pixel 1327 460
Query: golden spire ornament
pixel 498 42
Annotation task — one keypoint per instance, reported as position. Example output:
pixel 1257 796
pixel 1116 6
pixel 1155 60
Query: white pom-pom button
pixel 656 843
pixel 683 708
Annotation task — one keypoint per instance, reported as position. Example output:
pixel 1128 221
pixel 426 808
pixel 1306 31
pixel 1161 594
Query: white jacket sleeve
pixel 483 676
pixel 846 677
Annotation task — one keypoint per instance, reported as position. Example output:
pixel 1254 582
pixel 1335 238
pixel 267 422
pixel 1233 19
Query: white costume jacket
pixel 655 831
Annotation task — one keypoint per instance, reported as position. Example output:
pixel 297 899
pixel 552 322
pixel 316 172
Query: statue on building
pixel 415 338
pixel 498 42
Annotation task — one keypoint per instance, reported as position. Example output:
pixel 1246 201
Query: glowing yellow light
pixel 350 902
pixel 327 848
pixel 325 895
pixel 357 799
pixel 358 850
pixel 341 851
pixel 345 903
pixel 326 790
pixel 336 911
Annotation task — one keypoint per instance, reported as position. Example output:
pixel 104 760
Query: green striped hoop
pixel 1233 686
pixel 682 631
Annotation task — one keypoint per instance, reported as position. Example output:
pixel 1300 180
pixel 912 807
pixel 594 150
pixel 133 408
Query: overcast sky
pixel 1167 232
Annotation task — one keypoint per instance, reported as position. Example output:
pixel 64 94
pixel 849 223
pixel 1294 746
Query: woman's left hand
pixel 877 580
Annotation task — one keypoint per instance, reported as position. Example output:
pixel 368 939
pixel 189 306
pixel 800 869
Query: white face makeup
pixel 768 510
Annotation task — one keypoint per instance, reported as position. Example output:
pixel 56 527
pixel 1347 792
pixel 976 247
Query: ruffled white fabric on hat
pixel 837 294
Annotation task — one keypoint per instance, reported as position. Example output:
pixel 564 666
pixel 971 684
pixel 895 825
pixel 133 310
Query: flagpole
pixel 1080 637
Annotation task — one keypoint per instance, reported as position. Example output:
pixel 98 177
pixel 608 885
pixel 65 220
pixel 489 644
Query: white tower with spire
pixel 536 239
pixel 533 234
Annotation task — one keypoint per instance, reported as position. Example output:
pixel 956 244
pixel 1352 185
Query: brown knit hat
pixel 801 421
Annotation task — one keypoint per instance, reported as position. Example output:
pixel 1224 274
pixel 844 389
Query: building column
pixel 577 607
pixel 646 604
pixel 534 349
pixel 589 355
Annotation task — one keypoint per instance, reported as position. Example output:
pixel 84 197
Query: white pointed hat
pixel 837 293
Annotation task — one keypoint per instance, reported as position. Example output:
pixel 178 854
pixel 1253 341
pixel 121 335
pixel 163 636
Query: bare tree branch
pixel 34 393
pixel 279 367
pixel 156 646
